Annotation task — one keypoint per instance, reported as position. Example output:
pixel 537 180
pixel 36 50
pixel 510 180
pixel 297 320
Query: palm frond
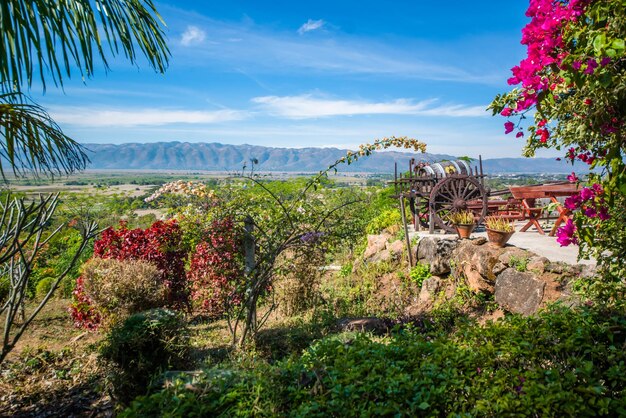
pixel 55 37
pixel 31 142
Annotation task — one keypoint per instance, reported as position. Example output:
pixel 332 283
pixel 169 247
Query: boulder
pixel 437 253
pixel 396 248
pixel 372 324
pixel 477 263
pixel 429 290
pixel 537 264
pixel 519 292
pixel 375 244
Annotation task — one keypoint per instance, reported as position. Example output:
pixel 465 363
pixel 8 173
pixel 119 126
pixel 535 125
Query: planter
pixel 464 230
pixel 498 238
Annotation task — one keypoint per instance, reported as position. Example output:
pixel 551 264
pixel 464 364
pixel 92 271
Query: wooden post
pixel 406 234
pixel 249 263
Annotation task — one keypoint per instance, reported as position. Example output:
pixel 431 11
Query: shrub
pixel 43 287
pixel 384 220
pixel 144 345
pixel 159 244
pixel 298 284
pixel 118 289
pixel 560 363
pixel 215 272
pixel 419 273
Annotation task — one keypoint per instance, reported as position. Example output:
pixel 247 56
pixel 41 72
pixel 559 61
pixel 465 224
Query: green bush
pixel 560 363
pixel 419 273
pixel 43 287
pixel 143 346
pixel 384 220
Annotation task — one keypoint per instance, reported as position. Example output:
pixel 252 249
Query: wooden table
pixel 528 194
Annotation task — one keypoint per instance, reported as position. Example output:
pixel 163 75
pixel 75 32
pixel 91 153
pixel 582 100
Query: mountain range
pixel 223 157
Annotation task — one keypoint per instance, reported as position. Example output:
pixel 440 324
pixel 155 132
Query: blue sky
pixel 297 74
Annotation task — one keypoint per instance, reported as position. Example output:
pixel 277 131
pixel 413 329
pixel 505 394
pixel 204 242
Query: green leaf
pixel 598 42
pixel 618 44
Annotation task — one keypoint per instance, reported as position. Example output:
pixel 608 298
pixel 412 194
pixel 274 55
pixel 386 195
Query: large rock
pixel 519 292
pixel 429 290
pixel 372 324
pixel 375 244
pixel 437 253
pixel 477 263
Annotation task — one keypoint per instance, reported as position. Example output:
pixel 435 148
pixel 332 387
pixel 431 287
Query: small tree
pixel 573 84
pixel 22 235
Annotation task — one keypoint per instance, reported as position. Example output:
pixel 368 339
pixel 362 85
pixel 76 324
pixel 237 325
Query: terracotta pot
pixel 498 238
pixel 464 230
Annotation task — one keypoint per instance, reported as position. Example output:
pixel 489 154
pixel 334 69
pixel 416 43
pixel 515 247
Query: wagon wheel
pixel 453 194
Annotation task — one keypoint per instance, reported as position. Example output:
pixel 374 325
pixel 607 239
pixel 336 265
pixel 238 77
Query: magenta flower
pixel 565 234
pixel 572 202
pixel 576 65
pixel 591 66
pixel 598 188
pixel 572 178
pixel 603 213
pixel 590 212
pixel 587 193
pixel 520 134
pixel 508 127
pixel 506 111
pixel 605 61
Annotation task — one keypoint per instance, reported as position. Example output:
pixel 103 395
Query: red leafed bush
pixel 82 311
pixel 160 244
pixel 216 273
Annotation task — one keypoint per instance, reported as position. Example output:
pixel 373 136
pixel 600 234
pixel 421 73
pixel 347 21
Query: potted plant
pixel 463 222
pixel 499 230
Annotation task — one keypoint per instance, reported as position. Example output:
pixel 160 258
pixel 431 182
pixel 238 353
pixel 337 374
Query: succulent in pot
pixel 499 230
pixel 464 223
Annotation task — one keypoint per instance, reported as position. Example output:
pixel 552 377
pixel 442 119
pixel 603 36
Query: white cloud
pixel 193 35
pixel 307 106
pixel 311 25
pixel 140 117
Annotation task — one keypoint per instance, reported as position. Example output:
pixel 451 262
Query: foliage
pixel 461 218
pixel 297 285
pixel 216 270
pixel 499 224
pixel 118 289
pixel 384 220
pixel 43 287
pixel 158 244
pixel 560 363
pixel 518 263
pixel 142 346
pixel 573 81
pixel 23 233
pixel 419 273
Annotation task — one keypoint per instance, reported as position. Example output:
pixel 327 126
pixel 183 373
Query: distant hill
pixel 223 157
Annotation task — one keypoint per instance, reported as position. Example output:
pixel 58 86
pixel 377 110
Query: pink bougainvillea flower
pixel 603 213
pixel 591 66
pixel 542 123
pixel 520 134
pixel 590 212
pixel 576 65
pixel 605 61
pixel 506 111
pixel 565 235
pixel 588 102
pixel 587 194
pixel 572 202
pixel 598 188
pixel 572 178
pixel 508 127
